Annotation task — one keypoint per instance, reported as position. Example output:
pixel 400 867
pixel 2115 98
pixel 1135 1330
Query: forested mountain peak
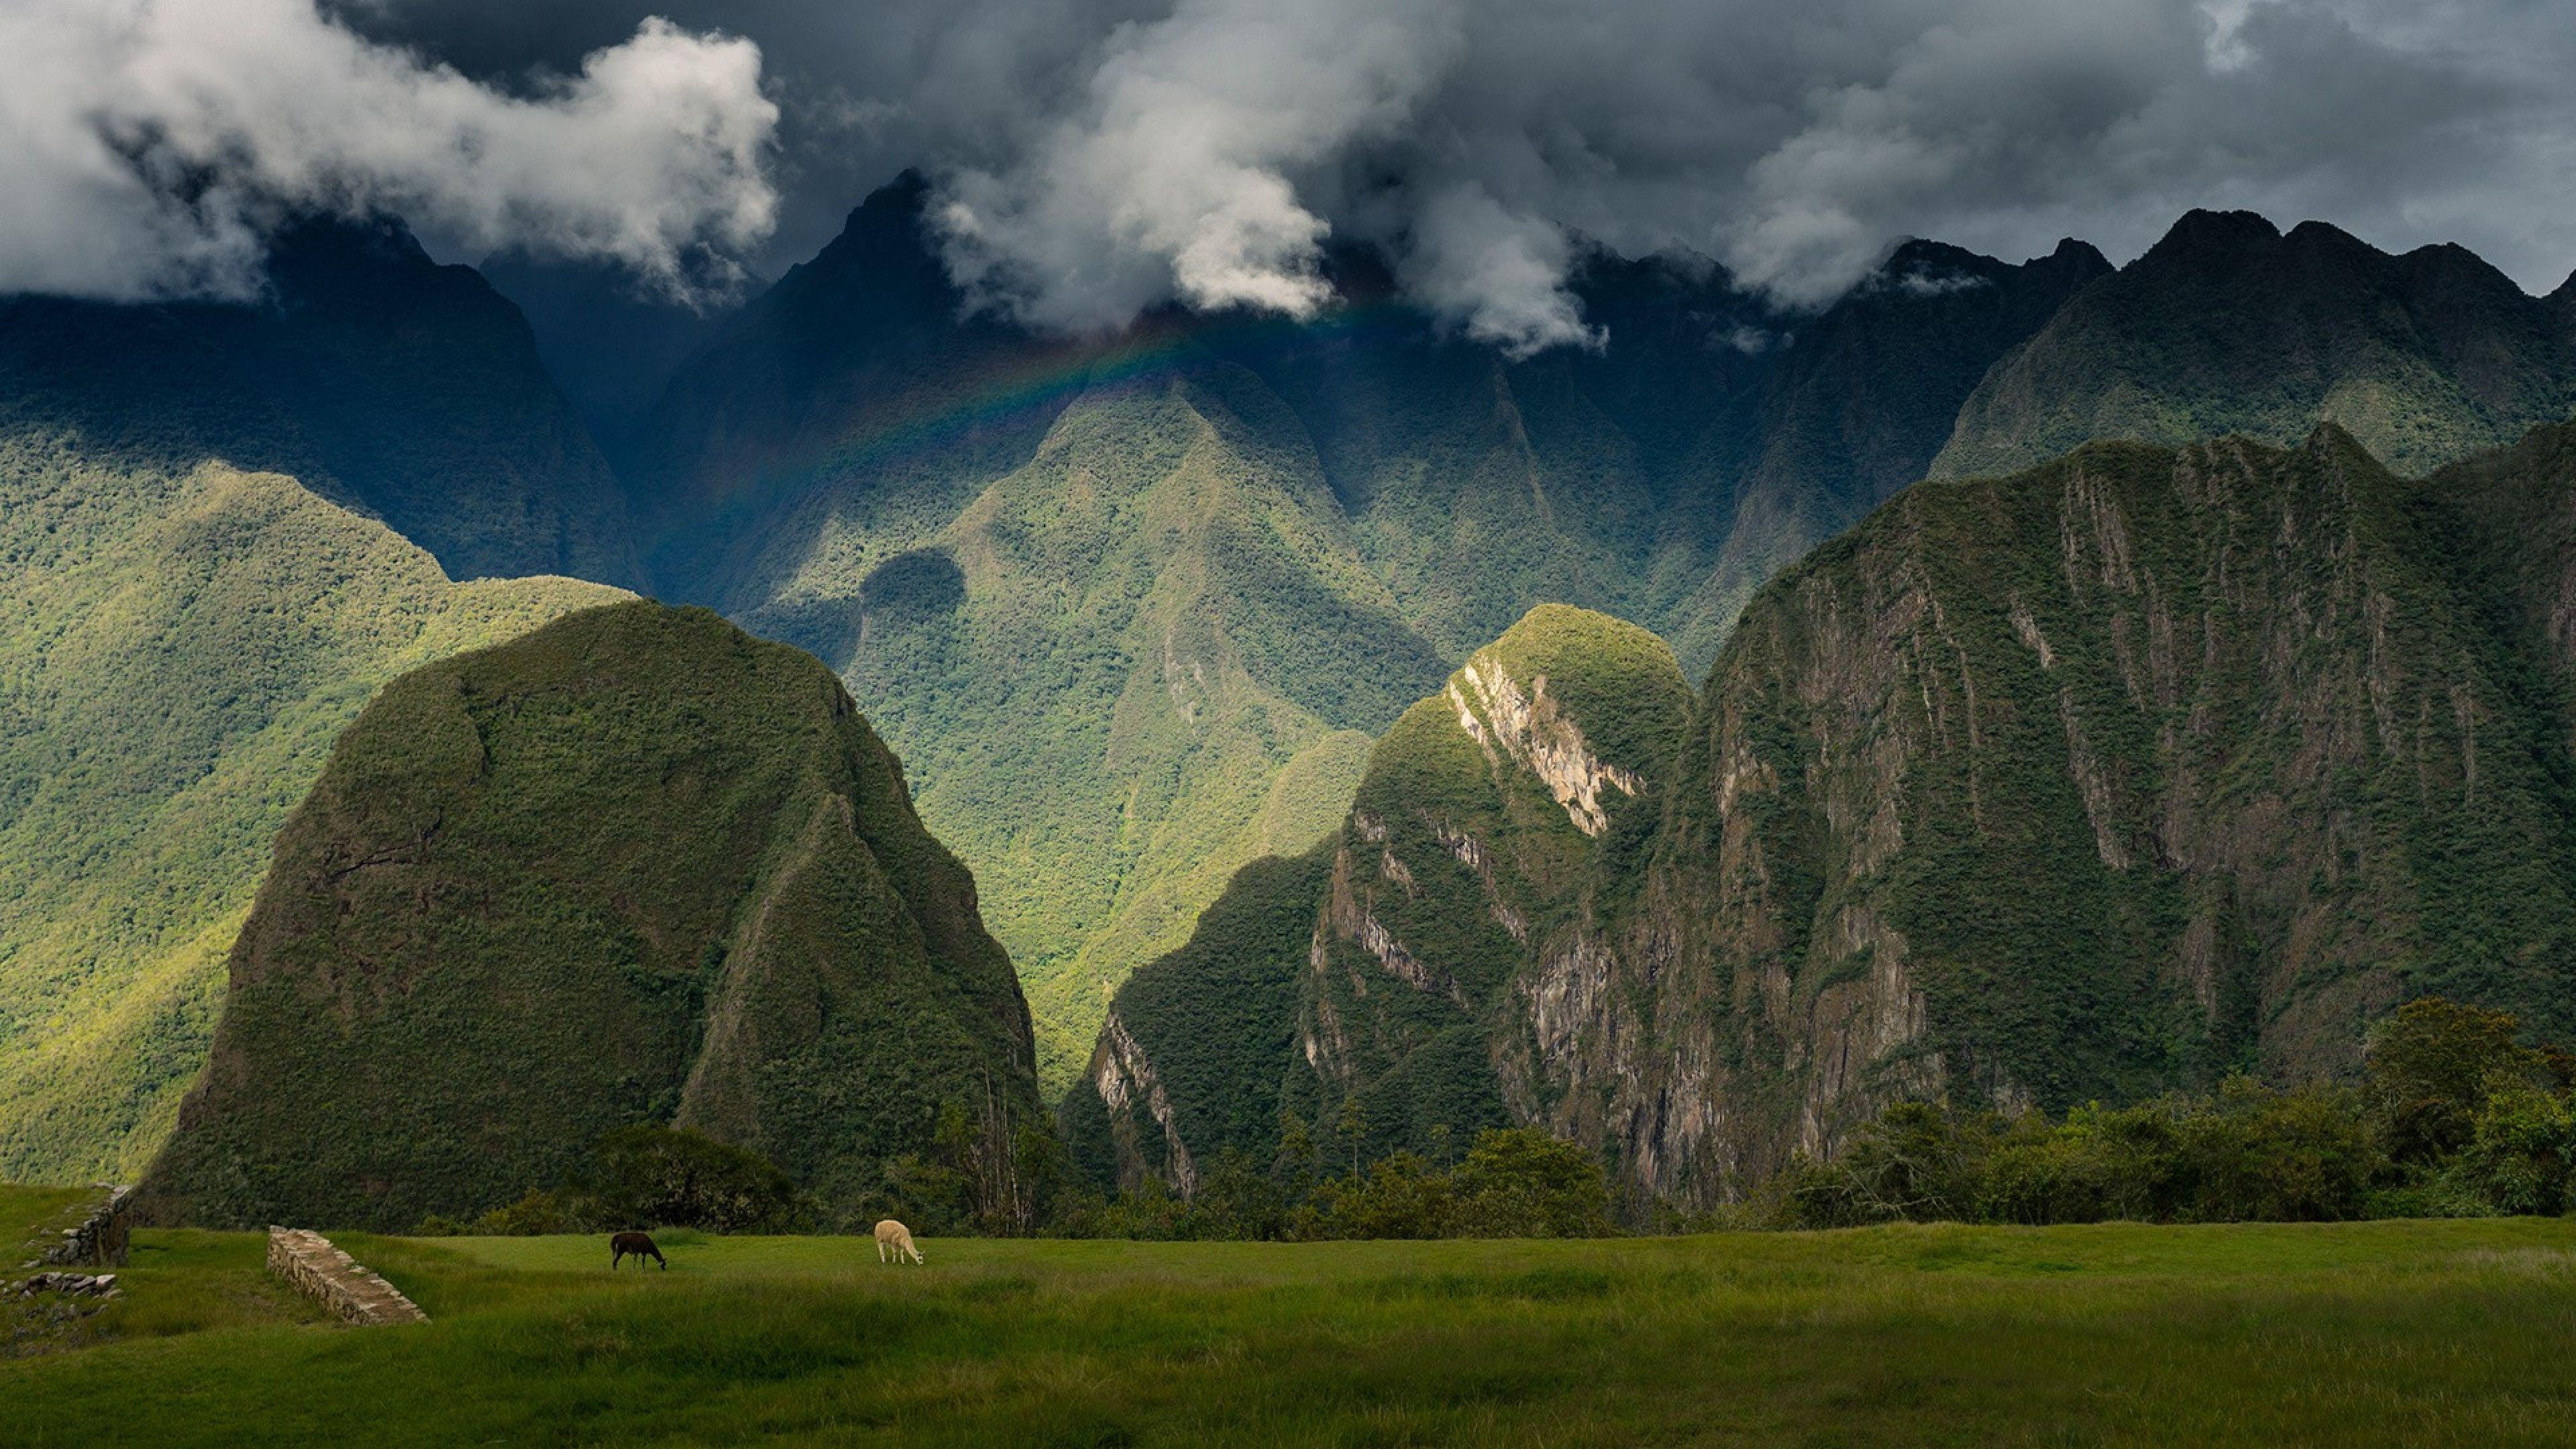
pixel 177 651
pixel 634 867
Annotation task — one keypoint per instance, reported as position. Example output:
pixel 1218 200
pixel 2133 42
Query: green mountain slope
pixel 635 866
pixel 1496 817
pixel 2228 326
pixel 397 387
pixel 1191 1061
pixel 177 651
pixel 2105 778
pixel 1128 607
pixel 1142 658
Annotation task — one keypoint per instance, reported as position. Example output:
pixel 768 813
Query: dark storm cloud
pixel 1094 158
pixel 149 143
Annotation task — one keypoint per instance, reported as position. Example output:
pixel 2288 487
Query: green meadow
pixel 2392 1332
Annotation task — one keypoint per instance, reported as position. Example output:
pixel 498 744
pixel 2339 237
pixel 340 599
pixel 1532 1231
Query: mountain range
pixel 1130 608
pixel 2096 781
pixel 187 627
pixel 1207 601
pixel 1009 543
pixel 178 648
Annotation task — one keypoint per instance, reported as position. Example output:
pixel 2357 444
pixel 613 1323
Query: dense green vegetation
pixel 1100 715
pixel 635 867
pixel 1216 1019
pixel 178 647
pixel 2251 807
pixel 182 634
pixel 2228 326
pixel 1113 600
pixel 1958 820
pixel 1463 852
pixel 1458 851
pixel 2455 1118
pixel 2417 1332
pixel 1512 1182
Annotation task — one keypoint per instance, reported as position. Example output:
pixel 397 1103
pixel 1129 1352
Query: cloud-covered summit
pixel 153 144
pixel 1097 157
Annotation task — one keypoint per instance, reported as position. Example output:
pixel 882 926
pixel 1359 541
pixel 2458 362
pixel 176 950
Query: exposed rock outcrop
pixel 1124 1077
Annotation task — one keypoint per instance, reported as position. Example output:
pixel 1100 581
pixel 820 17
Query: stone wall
pixel 308 1262
pixel 99 1239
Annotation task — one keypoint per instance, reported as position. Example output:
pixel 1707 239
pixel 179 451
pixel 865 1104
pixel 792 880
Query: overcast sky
pixel 1097 156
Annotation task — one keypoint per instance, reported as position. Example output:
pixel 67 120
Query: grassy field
pixel 2418 1333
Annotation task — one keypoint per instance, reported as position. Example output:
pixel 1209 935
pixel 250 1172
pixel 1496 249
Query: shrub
pixel 928 1196
pixel 2257 1155
pixel 2521 1145
pixel 1401 1197
pixel 2429 1069
pixel 1917 1161
pixel 1236 1200
pixel 1148 1212
pixel 2247 1153
pixel 678 1178
pixel 1520 1182
pixel 2099 1165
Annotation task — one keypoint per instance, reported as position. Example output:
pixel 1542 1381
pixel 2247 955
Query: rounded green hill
pixel 634 867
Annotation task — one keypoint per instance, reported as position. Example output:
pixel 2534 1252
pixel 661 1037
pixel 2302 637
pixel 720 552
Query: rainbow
pixel 1030 385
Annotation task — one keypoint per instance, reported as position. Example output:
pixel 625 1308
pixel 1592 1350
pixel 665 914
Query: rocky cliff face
pixel 2107 778
pixel 2110 777
pixel 1497 822
pixel 633 867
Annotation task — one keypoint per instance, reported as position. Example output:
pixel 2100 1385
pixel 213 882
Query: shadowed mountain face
pixel 606 340
pixel 387 383
pixel 2102 779
pixel 636 866
pixel 2228 326
pixel 1114 600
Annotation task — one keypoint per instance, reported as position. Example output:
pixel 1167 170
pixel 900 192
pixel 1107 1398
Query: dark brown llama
pixel 638 1244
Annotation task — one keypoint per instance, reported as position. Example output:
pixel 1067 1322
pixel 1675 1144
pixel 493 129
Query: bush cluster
pixel 1515 1182
pixel 2454 1118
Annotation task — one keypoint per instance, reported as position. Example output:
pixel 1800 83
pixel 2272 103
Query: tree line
pixel 2454 1116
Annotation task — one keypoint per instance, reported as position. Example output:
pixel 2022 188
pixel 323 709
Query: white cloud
pixel 1498 274
pixel 1099 157
pixel 1175 173
pixel 1204 155
pixel 153 141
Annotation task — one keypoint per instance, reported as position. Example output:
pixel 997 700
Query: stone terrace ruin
pixel 309 1263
